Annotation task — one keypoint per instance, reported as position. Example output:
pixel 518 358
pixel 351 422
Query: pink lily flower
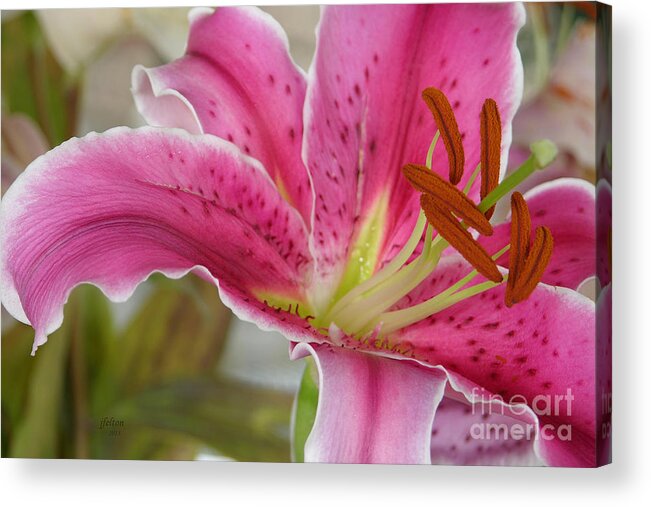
pixel 286 191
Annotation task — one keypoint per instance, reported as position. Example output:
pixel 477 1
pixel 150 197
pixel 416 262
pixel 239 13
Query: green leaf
pixel 91 333
pixel 45 397
pixel 19 35
pixel 178 332
pixel 17 366
pixel 37 431
pixel 240 421
pixel 36 85
pixel 305 407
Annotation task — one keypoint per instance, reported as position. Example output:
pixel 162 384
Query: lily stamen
pixel 397 319
pixel 526 264
pixel 445 216
pixel 430 183
pixel 384 274
pixel 543 153
pixel 447 124
pixel 459 237
pixel 389 293
pixel 491 149
pixel 396 263
pixel 520 234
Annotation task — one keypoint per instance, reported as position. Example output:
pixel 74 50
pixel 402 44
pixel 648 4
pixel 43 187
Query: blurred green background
pixel 172 374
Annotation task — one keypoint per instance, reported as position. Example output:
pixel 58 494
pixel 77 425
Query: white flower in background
pixel 564 111
pixel 101 47
pixel 77 35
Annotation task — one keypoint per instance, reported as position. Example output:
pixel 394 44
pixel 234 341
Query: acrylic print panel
pixel 226 237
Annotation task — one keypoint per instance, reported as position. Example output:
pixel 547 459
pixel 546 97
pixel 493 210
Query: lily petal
pixel 604 231
pixel 371 409
pixel 109 209
pixel 473 434
pixel 365 117
pixel 238 82
pixel 604 374
pixel 543 346
pixel 567 207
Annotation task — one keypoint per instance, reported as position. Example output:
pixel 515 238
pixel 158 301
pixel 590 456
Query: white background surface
pixel 627 482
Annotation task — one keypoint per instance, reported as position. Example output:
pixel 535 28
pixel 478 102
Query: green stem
pixel 79 381
pixel 543 153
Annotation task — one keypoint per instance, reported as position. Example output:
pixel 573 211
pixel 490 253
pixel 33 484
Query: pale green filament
pixel 394 265
pixel 430 151
pixel 472 179
pixel 357 316
pixel 392 321
pixel 384 274
pixel 361 310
